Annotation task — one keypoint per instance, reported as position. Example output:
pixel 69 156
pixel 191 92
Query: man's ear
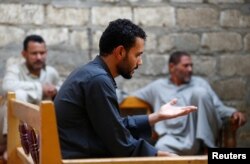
pixel 24 53
pixel 120 52
pixel 171 67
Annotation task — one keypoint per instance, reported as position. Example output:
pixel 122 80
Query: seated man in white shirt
pixel 31 79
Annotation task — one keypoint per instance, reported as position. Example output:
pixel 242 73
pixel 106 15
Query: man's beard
pixel 124 70
pixel 187 79
pixel 35 68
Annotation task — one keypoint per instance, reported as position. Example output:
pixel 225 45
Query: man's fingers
pixel 192 108
pixel 189 109
pixel 173 101
pixel 242 121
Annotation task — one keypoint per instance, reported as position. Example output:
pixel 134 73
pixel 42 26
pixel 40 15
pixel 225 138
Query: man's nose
pixel 39 55
pixel 139 62
pixel 190 68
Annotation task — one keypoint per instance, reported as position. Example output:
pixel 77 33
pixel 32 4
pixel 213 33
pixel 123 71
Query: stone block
pixel 154 64
pixel 204 65
pixel 230 18
pixel 21 14
pixel 245 21
pixel 222 41
pixel 67 16
pixel 134 84
pixel 152 16
pixel 200 17
pixel 151 41
pixel 52 36
pixel 187 1
pixel 234 65
pixel 5 54
pixel 244 137
pixel 66 60
pixel 11 35
pixel 96 35
pixel 247 42
pixel 166 43
pixel 79 39
pixel 231 89
pixel 179 41
pixel 103 15
pixel 225 1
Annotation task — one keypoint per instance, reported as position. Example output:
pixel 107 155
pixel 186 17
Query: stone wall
pixel 216 32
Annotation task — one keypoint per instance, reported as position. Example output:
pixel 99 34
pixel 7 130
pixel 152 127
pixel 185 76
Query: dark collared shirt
pixel 89 121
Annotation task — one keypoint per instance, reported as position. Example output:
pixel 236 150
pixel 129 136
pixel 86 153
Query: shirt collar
pixel 181 86
pixel 100 61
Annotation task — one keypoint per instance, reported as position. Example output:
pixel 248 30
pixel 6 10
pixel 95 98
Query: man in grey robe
pixel 187 135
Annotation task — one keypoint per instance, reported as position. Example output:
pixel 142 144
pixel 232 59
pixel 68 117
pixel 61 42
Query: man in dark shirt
pixel 88 117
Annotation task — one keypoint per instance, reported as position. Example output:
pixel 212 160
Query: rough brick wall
pixel 216 32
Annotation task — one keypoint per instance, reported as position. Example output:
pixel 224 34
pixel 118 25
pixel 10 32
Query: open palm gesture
pixel 169 110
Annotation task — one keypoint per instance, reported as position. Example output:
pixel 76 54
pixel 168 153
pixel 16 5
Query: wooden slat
pixel 31 114
pixel 131 102
pixel 49 149
pixel 24 158
pixel 13 140
pixel 143 160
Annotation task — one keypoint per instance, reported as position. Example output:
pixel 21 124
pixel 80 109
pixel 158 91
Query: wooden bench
pixel 42 119
pixel 133 105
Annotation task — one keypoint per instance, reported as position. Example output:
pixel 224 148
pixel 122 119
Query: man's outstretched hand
pixel 169 110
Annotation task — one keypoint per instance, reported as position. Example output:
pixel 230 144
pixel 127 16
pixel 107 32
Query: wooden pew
pixel 42 119
pixel 144 160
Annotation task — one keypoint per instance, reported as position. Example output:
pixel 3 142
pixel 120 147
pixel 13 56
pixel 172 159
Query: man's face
pixel 35 56
pixel 182 71
pixel 132 59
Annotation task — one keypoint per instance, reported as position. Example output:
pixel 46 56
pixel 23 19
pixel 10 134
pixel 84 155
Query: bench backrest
pixel 131 104
pixel 42 119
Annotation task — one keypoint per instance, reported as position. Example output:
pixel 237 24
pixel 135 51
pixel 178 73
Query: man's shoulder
pixel 161 80
pixel 157 83
pixel 51 69
pixel 90 72
pixel 16 67
pixel 199 80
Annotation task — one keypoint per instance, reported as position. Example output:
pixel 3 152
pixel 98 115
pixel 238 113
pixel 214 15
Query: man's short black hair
pixel 33 38
pixel 175 57
pixel 119 32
